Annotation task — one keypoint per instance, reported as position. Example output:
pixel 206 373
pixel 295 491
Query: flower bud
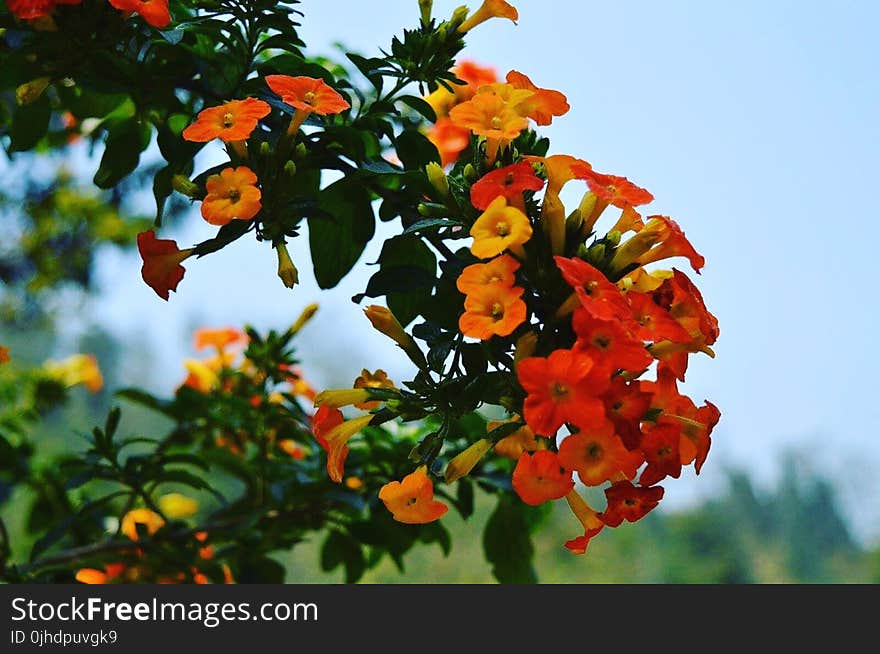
pixel 525 346
pixel 438 179
pixel 470 173
pixel 337 399
pixel 265 149
pixel 461 465
pixel 304 317
pixel 183 185
pixel 384 321
pixel 425 7
pixel 286 270
pixel 300 151
pixel 290 169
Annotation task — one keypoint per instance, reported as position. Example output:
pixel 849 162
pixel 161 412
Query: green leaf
pixel 337 242
pixel 420 106
pixel 507 542
pixel 399 256
pixel 415 150
pixel 341 549
pixel 30 124
pixel 122 152
pixel 431 224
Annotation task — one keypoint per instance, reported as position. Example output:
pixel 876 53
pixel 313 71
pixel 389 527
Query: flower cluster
pixel 590 342
pixel 235 192
pixel 154 12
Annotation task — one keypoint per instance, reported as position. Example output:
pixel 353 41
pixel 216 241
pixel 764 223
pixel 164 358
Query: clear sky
pixel 755 126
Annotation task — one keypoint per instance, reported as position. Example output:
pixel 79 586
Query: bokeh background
pixel 755 126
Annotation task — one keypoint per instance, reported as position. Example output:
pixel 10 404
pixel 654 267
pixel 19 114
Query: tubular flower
pixel 652 322
pixel 593 291
pixel 489 9
pixel 588 518
pixel 560 169
pixel 626 405
pixel 462 464
pixel 618 191
pixel 337 444
pixel 203 375
pixel 539 477
pixel 626 502
pixel 411 501
pixel 671 243
pixel 155 12
pixel 449 139
pixel 660 445
pixel 473 75
pixel 379 379
pixel 308 94
pixel 609 341
pixel 544 104
pixel 339 398
pixel 149 520
pixel 563 388
pixel 598 455
pixel 493 311
pixel 490 115
pixel 510 182
pixel 232 195
pixel 218 338
pixel 230 122
pixel 522 440
pixel 499 271
pixel 500 228
pixel 161 268
pixel 77 369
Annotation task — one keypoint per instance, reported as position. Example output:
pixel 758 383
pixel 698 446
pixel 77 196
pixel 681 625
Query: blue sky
pixel 755 126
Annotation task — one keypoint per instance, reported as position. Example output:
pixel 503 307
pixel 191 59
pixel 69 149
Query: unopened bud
pixel 183 185
pixel 286 270
pixel 290 169
pixel 525 347
pixel 613 238
pixel 31 91
pixel 438 179
pixel 306 315
pixel 300 151
pixel 265 149
pixel 461 465
pixel 425 7
pixel 470 173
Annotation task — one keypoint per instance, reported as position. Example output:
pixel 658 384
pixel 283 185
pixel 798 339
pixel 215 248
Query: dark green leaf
pixel 419 105
pixel 122 151
pixel 507 542
pixel 415 150
pixel 30 124
pixel 341 549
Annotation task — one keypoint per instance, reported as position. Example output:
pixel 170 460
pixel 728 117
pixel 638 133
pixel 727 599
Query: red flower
pixel 308 94
pixel 618 191
pixel 155 12
pixel 162 258
pixel 626 405
pixel 626 502
pixel 579 545
pixel 563 388
pixel 31 9
pixel 539 477
pixel 653 322
pixel 671 242
pixel 598 455
pixel 510 181
pixel 660 445
pixel 596 294
pixel 610 342
pixel 449 139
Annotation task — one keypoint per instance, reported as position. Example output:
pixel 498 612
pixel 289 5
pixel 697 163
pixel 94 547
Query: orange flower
pixel 493 311
pixel 510 182
pixel 293 449
pixel 609 341
pixel 626 405
pixel 473 75
pixel 500 228
pixel 671 243
pixel 218 338
pixel 161 269
pixel 618 191
pixel 230 122
pixel 660 445
pixel 92 576
pixel 522 440
pixel 308 94
pixel 499 271
pixel 4 354
pixel 539 477
pixel 149 520
pixel 232 195
pixel 594 292
pixel 626 502
pixel 379 379
pixel 579 545
pixel 411 501
pixel 598 455
pixel 560 169
pixel 155 12
pixel 588 518
pixel 490 115
pixel 335 440
pixel 449 139
pixel 489 9
pixel 563 388
pixel 544 104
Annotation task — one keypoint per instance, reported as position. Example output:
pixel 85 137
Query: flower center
pixel 496 122
pixel 502 228
pixel 310 97
pixel 602 342
pixel 411 501
pixel 508 181
pixel 497 311
pixel 629 502
pixel 594 451
pixel 590 288
pixel 559 390
pixel 228 119
pixel 234 195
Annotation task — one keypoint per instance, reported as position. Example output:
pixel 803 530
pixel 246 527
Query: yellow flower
pixel 149 519
pixel 75 370
pixel 366 380
pixel 337 444
pixel 500 228
pixel 462 464
pixel 175 505
pixel 489 9
pixel 342 397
